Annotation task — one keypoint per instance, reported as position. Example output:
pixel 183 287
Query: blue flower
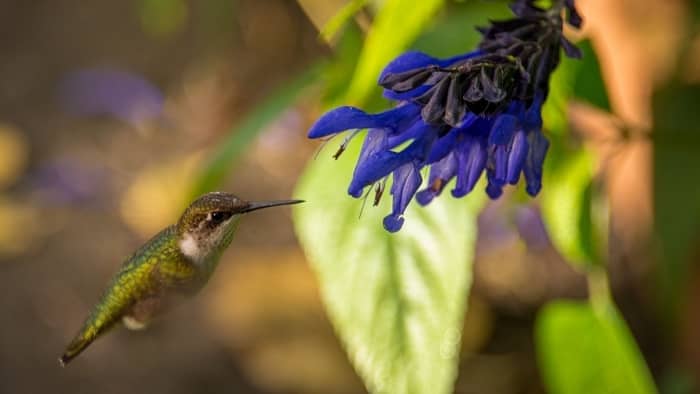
pixel 461 116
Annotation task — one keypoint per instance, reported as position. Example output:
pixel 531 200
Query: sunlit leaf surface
pixel 396 300
pixel 584 349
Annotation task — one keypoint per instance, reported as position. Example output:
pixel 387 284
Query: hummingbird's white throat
pixel 199 244
pixel 190 247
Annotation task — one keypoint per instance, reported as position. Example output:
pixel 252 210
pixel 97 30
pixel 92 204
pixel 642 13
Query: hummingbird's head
pixel 207 225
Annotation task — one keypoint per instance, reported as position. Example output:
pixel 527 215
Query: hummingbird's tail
pixel 93 328
pixel 81 341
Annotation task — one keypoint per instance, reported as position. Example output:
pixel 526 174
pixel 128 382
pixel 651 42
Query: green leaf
pixel 566 202
pixel 397 300
pixel 585 349
pixel 396 25
pixel 227 152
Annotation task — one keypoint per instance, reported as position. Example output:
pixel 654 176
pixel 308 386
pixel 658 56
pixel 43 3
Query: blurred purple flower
pixel 65 181
pixel 531 227
pixel 462 116
pixel 126 96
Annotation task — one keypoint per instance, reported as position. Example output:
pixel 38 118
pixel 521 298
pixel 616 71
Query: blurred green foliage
pixel 396 25
pixel 583 347
pixel 578 79
pixel 568 192
pixel 456 32
pixel 163 17
pixel 344 60
pixel 676 168
pixel 241 136
pixel 341 18
pixel 398 300
pixel 586 348
pixel 566 207
pixel 589 86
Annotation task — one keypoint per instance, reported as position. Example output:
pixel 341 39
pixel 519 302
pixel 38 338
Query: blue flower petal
pixel 393 223
pixel 443 146
pixel 472 160
pixel 516 157
pixel 374 147
pixel 407 179
pixel 380 166
pixel 481 127
pixel 499 159
pixel 570 49
pixel 376 161
pixel 493 190
pixel 440 174
pixel 415 131
pixel 375 143
pixel 503 129
pixel 533 116
pixel 346 118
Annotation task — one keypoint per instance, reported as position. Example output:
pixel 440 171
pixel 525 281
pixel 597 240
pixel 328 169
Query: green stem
pixel 598 287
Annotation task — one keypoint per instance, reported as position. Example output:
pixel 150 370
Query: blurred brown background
pixel 81 187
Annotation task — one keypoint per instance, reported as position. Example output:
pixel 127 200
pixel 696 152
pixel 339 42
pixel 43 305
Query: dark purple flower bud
pixel 574 19
pixel 534 162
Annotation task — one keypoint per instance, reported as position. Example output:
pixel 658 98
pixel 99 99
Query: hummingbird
pixel 173 265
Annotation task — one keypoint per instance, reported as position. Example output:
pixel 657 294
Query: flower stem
pixel 598 287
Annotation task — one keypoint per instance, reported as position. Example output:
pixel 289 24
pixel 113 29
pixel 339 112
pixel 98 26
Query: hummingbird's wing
pixel 134 282
pixel 173 278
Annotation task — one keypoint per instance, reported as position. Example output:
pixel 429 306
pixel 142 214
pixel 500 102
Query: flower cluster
pixel 461 116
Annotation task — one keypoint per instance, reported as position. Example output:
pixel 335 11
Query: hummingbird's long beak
pixel 255 205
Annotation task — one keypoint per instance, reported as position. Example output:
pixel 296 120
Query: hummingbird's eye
pixel 219 216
